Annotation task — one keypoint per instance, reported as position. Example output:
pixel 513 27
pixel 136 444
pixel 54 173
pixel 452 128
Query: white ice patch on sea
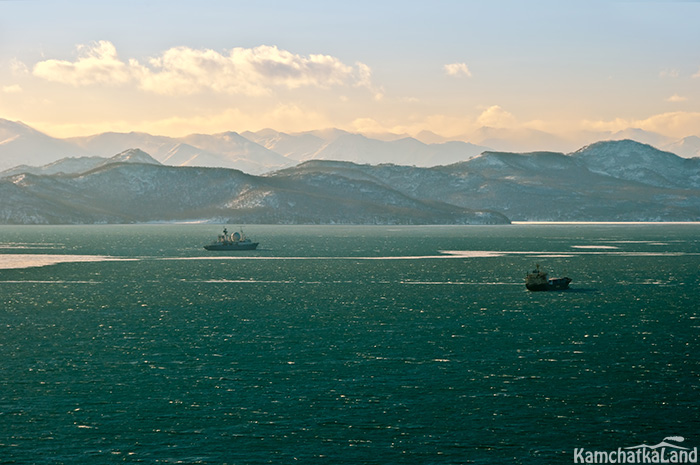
pixel 16 261
pixel 444 254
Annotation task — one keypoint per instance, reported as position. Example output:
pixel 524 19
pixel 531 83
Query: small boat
pixel 537 280
pixel 234 241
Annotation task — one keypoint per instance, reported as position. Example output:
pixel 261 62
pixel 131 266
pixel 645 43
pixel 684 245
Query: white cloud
pixel 496 117
pixel 367 125
pixel 409 99
pixel 251 71
pixel 675 98
pixel 183 70
pixel 96 64
pixel 363 75
pixel 13 89
pixel 436 123
pixel 679 123
pixel 673 124
pixel 18 68
pixel 697 75
pixel 291 117
pixel 669 73
pixel 457 70
pixel 617 124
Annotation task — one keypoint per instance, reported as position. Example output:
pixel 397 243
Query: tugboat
pixel 235 241
pixel 537 280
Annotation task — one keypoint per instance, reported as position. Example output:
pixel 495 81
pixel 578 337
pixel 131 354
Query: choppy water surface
pixel 345 345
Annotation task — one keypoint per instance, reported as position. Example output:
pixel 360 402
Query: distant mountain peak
pixel 617 143
pixel 688 147
pixel 267 132
pixel 635 161
pixel 625 148
pixel 134 156
pixel 328 134
pixel 641 135
pixel 229 135
pixel 429 137
pixel 8 124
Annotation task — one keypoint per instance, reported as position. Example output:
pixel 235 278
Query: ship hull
pixel 232 247
pixel 558 284
pixel 536 287
pixel 554 284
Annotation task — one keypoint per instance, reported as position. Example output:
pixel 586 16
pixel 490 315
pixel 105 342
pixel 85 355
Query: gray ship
pixel 537 280
pixel 235 241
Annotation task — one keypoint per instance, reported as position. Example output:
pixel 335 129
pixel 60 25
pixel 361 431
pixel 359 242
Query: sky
pixel 76 68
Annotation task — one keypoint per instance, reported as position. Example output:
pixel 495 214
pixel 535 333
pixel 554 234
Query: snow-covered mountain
pixel 22 145
pixel 239 152
pixel 182 154
pixel 429 137
pixel 548 186
pixel 76 165
pixel 407 151
pixel 606 181
pixel 642 136
pixel 123 193
pixel 225 150
pixel 357 148
pixel 295 147
pixel 109 143
pixel 687 147
pixel 269 150
pixel 633 161
pixel 518 140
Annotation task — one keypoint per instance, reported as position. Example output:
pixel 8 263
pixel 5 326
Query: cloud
pixel 457 70
pixel 675 124
pixel 675 98
pixel 441 124
pixel 13 89
pixel 96 64
pixel 368 126
pixel 496 117
pixel 18 68
pixel 669 73
pixel 250 71
pixel 458 127
pixel 184 70
pixel 293 118
pixel 697 75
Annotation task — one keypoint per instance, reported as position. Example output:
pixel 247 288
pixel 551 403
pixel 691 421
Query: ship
pixel 537 280
pixel 234 241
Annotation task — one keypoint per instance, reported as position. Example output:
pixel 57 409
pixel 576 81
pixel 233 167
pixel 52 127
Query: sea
pixel 346 344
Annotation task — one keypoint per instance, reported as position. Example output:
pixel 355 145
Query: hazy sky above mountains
pixel 173 67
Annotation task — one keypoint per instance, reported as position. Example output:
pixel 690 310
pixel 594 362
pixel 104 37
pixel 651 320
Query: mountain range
pixel 268 150
pixel 252 152
pixel 605 181
pixel 133 187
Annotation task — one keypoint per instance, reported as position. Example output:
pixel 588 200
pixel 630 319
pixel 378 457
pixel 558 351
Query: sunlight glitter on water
pixel 425 347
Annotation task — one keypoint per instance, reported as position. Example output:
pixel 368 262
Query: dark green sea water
pixel 345 345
